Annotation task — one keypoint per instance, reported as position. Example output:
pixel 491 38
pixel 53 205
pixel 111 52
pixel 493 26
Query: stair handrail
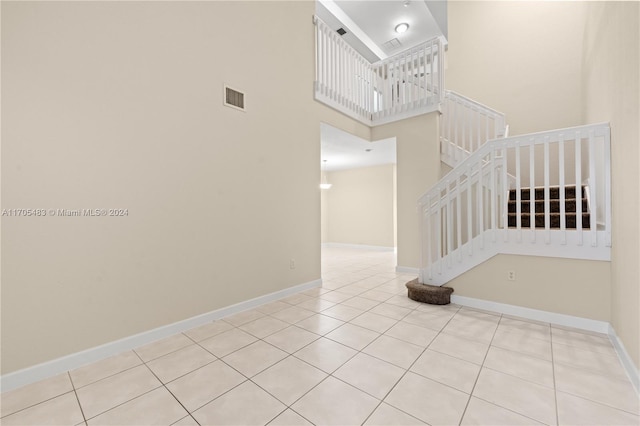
pixel 497 167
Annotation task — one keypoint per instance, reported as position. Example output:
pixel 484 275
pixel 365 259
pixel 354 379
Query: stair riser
pixel 554 221
pixel 554 193
pixel 554 206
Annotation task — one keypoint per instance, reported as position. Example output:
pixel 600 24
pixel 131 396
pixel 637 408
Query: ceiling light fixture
pixel 401 28
pixel 324 184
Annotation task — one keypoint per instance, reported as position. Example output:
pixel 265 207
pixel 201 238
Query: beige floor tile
pixel 244 317
pixel 232 407
pixel 386 415
pixel 205 384
pixel 35 393
pixel 403 301
pixel 458 347
pixel 447 370
pixel 186 421
pixel 104 368
pixel 349 406
pixel 342 312
pixel 208 330
pixel 180 362
pixel 432 321
pixel 482 413
pixel 293 314
pixel 325 354
pixel 264 326
pixel 61 410
pixel 290 418
pixel 481 331
pixel 521 341
pixel 391 311
pixel 157 407
pixel 369 374
pixel 589 341
pixel 296 299
pixel 600 362
pixel 162 347
pixel 254 358
pixel 375 322
pixel 227 342
pixel 597 387
pixel 351 289
pixel 105 394
pixel 315 292
pixel 291 339
pixel 377 295
pixel 335 297
pixel 353 336
pixel 573 410
pixel 412 333
pixel 397 352
pixel 360 303
pixel 534 329
pixel 478 314
pixel 429 401
pixel 289 379
pixel 526 367
pixel 320 324
pixel 273 307
pixel 526 398
pixel 316 305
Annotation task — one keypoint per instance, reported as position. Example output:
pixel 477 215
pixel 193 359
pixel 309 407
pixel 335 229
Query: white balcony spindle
pixel 532 190
pixel 593 189
pixel 561 181
pixel 578 163
pixel 547 211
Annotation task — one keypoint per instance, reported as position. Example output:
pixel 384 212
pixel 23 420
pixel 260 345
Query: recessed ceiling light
pixel 401 28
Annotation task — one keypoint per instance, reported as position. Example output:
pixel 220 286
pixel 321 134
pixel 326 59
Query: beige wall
pixel 418 168
pixel 360 206
pixel 611 60
pixel 119 105
pixel 567 286
pixel 519 58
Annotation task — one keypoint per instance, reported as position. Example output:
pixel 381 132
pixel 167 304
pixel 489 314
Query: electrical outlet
pixel 292 264
pixel 511 275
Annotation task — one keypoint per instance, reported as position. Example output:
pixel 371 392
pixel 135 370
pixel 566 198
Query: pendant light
pixel 324 184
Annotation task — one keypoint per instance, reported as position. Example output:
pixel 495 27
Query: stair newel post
pixel 532 185
pixel 469 210
pixel 593 190
pixel 578 164
pixel 426 217
pixel 494 189
pixel 607 186
pixel 439 231
pixel 505 193
pixel 459 217
pixel 547 212
pixel 449 224
pixel 518 194
pixel 561 172
pixel 480 202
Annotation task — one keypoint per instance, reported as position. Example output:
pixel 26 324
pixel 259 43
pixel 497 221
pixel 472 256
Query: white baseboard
pixel 407 270
pixel 358 246
pixel 533 314
pixel 70 362
pixel 625 359
pixel 559 319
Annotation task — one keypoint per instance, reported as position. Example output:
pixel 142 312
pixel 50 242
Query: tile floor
pixel 356 351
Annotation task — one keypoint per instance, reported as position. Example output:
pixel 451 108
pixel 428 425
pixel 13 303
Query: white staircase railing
pixel 465 217
pixel 465 126
pixel 402 86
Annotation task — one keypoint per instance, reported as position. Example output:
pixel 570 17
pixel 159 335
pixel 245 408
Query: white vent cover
pixel 233 98
pixel 394 43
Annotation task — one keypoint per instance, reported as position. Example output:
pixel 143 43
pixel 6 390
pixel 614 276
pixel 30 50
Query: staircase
pixel 540 194
pixel 573 208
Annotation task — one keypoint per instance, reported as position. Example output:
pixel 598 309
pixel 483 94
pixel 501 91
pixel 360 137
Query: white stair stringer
pixel 566 244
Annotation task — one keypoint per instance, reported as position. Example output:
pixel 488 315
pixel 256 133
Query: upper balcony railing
pixel 402 86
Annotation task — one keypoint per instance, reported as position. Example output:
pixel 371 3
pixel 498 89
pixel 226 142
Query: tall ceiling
pixel 370 24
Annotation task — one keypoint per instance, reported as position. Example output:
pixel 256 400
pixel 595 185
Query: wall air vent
pixel 341 31
pixel 394 43
pixel 234 98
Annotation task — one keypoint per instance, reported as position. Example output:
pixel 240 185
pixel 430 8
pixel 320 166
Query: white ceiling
pixel 344 151
pixel 370 24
